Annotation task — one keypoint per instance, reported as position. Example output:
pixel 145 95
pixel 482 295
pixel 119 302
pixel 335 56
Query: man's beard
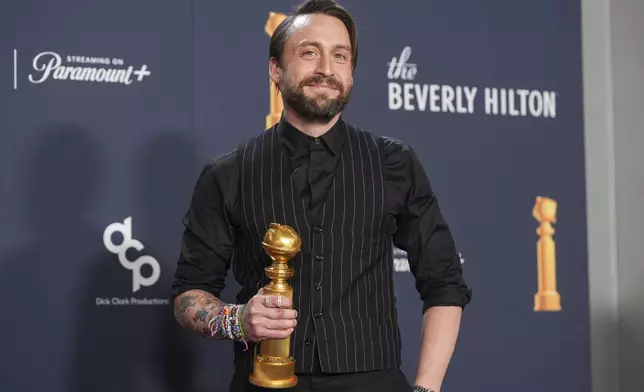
pixel 319 109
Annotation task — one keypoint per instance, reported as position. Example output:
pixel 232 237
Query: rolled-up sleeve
pixel 208 237
pixel 422 231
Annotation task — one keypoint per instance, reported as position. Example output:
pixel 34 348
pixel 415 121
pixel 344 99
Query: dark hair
pixel 326 7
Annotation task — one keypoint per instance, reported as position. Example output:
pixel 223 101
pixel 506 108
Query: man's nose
pixel 324 66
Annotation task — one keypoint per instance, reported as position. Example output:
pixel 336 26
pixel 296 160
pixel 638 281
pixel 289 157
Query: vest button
pixel 318 229
pixel 318 286
pixel 319 257
pixel 308 342
pixel 317 314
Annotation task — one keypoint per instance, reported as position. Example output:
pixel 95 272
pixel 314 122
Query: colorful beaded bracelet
pixel 228 322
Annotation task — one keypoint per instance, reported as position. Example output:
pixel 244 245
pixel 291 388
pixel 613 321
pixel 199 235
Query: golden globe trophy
pixel 274 367
pixel 547 298
pixel 275 111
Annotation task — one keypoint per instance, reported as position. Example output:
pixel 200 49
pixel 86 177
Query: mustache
pixel 319 79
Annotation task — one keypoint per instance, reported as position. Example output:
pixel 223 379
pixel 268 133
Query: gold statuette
pixel 547 298
pixel 274 367
pixel 275 112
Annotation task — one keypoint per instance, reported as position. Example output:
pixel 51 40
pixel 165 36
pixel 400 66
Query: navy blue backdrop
pixel 110 109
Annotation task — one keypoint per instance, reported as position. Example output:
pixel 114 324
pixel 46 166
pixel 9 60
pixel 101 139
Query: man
pixel 351 196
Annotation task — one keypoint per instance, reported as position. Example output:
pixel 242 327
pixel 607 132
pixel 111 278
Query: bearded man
pixel 351 196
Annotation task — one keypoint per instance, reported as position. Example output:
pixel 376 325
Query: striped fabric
pixel 343 287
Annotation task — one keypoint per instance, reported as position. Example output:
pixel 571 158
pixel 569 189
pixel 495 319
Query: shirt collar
pixel 296 140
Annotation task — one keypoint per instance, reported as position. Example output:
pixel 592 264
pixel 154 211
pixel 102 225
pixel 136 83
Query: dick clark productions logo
pixel 121 249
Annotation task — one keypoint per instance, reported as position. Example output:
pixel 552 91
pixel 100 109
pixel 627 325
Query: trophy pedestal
pixel 273 372
pixel 547 301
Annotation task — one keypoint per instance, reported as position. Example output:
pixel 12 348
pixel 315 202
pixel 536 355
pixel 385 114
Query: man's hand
pixel 268 317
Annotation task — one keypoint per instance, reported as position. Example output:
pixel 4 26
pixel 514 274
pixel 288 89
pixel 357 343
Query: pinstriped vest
pixel 343 284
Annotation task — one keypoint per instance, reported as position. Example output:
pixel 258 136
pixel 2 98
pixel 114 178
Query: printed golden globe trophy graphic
pixel 547 299
pixel 275 111
pixel 274 367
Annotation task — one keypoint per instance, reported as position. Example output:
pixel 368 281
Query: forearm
pixel 438 340
pixel 195 308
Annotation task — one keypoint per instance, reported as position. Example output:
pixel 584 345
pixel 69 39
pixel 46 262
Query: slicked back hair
pixel 326 7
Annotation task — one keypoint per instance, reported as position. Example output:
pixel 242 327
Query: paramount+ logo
pixel 51 66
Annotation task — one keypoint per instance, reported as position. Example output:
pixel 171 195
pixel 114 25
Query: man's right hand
pixel 268 317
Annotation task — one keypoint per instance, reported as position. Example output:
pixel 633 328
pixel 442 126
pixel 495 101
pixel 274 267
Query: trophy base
pixel 273 372
pixel 549 301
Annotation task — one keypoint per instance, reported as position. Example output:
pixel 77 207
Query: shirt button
pixel 319 257
pixel 317 141
pixel 317 229
pixel 318 286
pixel 318 314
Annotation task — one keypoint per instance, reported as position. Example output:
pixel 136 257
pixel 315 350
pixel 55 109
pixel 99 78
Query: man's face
pixel 315 77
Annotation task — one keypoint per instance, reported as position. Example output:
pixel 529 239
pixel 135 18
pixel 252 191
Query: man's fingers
pixel 279 324
pixel 277 314
pixel 276 301
pixel 269 317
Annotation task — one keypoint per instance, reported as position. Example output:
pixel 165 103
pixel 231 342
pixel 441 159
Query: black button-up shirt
pixel 362 165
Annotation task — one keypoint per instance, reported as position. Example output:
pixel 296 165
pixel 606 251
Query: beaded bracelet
pixel 228 322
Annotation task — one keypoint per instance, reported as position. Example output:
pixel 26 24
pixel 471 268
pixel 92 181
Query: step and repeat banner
pixel 110 110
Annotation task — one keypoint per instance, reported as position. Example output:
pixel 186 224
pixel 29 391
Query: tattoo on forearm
pixel 187 301
pixel 200 315
pixel 195 309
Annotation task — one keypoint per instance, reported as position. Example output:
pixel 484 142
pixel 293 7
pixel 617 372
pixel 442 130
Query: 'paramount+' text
pixel 50 65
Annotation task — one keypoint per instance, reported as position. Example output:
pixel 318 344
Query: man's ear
pixel 274 71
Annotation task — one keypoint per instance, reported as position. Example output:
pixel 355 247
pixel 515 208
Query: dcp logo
pixel 125 229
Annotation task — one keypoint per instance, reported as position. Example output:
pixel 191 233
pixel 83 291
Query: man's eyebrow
pixel 345 47
pixel 319 46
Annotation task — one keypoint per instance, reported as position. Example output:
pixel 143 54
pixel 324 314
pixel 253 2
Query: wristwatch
pixel 418 388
